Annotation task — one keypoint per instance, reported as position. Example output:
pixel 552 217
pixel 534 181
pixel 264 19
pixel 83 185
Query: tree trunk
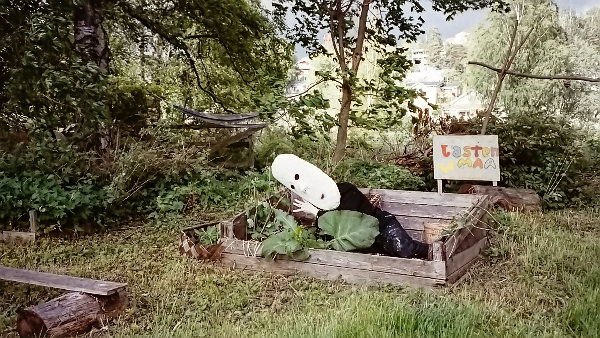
pixel 70 314
pixel 490 107
pixel 90 38
pixel 342 134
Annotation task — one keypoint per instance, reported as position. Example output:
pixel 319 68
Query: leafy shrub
pixel 315 149
pixel 208 236
pixel 223 189
pixel 371 174
pixel 50 84
pixel 271 145
pixel 57 203
pixel 129 104
pixel 53 178
pixel 162 158
pixel 543 152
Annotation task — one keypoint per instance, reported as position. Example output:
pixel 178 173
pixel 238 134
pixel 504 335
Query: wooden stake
pixel 33 220
pixel 440 187
pixel 437 248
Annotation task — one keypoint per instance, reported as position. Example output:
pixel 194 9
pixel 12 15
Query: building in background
pixel 464 106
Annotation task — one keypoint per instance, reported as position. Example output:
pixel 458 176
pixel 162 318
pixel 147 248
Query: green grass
pixel 540 277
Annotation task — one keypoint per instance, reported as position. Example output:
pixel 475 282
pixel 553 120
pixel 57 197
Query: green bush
pixel 56 202
pixel 316 149
pixel 369 174
pixel 53 178
pixel 219 189
pixel 544 152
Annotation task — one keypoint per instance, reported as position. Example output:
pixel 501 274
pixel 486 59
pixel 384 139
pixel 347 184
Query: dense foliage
pixel 553 44
pixel 354 27
pixel 90 140
pixel 85 141
pixel 546 153
pixel 373 174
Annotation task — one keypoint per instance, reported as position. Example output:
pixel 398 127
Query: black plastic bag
pixel 395 241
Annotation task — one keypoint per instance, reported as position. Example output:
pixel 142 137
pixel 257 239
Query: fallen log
pixel 511 199
pixel 70 314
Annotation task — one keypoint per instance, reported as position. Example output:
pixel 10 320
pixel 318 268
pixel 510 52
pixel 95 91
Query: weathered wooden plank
pixel 474 218
pixel 91 286
pixel 461 274
pixel 465 257
pixel 353 260
pixel 33 220
pixel 422 210
pixel 422 197
pixel 418 223
pixel 232 139
pixel 240 226
pixel 350 275
pixel 14 236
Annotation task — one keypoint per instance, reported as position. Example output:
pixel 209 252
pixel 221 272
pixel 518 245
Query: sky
pixel 469 20
pixel 463 22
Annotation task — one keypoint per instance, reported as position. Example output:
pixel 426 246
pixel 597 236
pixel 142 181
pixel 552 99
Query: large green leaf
pixel 286 220
pixel 282 243
pixel 350 229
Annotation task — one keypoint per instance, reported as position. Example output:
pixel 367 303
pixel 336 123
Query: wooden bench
pixel 91 302
pixel 91 286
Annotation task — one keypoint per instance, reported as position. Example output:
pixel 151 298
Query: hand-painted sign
pixel 466 157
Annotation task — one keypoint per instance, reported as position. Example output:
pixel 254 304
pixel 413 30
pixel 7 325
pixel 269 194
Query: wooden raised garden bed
pixel 418 212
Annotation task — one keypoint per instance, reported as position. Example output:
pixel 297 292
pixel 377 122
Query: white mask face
pixel 306 181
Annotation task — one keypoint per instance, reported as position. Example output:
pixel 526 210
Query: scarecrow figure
pixel 318 193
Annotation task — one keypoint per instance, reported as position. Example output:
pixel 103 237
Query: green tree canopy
pixel 434 46
pixel 543 52
pixel 355 26
pixel 219 55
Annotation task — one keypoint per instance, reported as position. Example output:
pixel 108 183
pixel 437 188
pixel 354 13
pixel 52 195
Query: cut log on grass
pixel 511 199
pixel 70 314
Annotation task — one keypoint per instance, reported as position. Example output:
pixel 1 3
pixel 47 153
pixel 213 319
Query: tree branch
pixel 511 42
pixel 534 76
pixel 176 42
pixel 360 37
pixel 311 87
pixel 350 3
pixel 200 36
pixel 510 57
pixel 341 27
pixel 332 31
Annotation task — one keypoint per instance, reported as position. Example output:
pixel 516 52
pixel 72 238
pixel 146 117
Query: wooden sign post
pixel 466 157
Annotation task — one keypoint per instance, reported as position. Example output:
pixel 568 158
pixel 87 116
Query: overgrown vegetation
pixel 547 153
pixel 93 143
pixel 341 230
pixel 535 280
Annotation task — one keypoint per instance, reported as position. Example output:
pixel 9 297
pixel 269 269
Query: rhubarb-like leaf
pixel 282 243
pixel 350 230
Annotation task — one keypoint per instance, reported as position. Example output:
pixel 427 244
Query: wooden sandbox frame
pixel 452 256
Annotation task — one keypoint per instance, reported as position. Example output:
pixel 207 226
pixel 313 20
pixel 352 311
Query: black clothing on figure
pixel 392 238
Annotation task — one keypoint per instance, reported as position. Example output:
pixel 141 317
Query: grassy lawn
pixel 540 277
